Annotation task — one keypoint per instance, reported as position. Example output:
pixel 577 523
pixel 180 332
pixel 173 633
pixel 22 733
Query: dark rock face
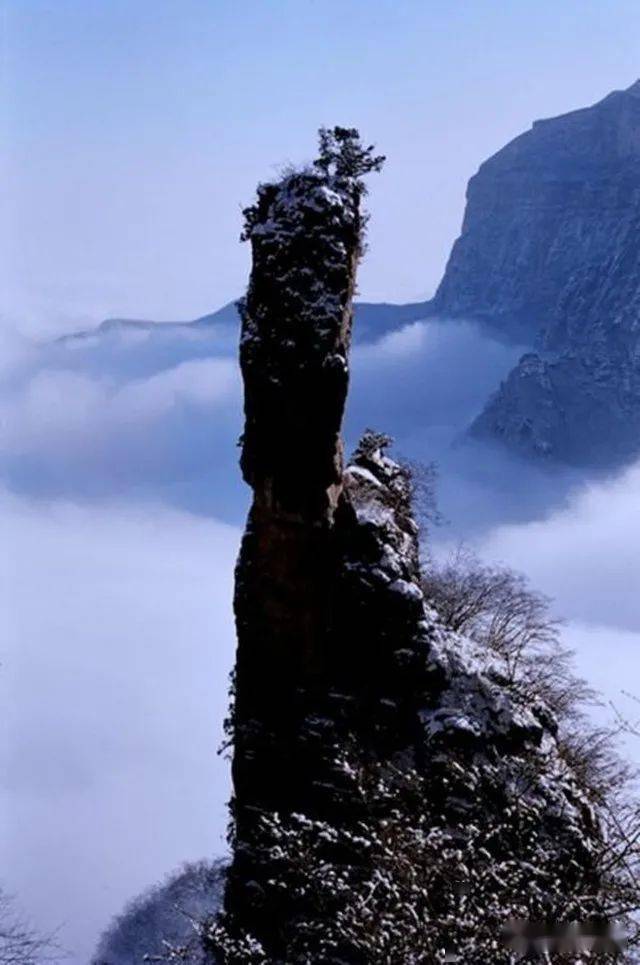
pixel 295 336
pixel 336 643
pixel 550 255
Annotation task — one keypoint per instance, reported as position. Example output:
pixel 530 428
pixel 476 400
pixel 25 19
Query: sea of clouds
pixel 121 510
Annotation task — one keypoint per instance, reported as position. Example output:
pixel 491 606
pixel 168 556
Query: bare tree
pixel 20 944
pixel 518 636
pixel 510 621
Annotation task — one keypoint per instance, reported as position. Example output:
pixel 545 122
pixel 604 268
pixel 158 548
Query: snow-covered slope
pixel 168 912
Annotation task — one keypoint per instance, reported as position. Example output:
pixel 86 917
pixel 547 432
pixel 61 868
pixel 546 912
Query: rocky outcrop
pixel 305 233
pixel 337 647
pixel 580 408
pixel 549 256
pixel 547 243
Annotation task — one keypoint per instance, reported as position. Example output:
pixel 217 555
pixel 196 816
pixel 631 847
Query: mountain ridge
pixel 373 319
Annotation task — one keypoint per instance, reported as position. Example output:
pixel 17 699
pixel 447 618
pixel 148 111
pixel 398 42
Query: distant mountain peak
pixel 373 320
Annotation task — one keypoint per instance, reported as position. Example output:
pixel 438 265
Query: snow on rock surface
pixel 337 646
pixel 549 256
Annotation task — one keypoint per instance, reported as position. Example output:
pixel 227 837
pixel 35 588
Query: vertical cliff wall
pixel 306 237
pixel 549 256
pixel 549 242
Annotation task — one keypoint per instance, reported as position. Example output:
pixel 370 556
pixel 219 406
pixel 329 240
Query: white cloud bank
pixel 587 555
pixel 158 412
pixel 117 643
pixel 117 631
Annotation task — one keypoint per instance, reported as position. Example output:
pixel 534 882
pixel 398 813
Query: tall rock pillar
pixel 305 233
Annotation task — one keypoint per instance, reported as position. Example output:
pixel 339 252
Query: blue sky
pixel 134 132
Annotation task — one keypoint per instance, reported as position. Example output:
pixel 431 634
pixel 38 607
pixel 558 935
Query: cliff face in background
pixel 579 407
pixel 547 237
pixel 549 255
pixel 338 648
